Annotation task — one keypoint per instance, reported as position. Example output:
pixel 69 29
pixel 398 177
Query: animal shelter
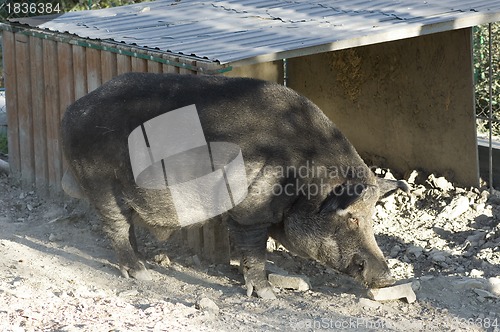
pixel 396 78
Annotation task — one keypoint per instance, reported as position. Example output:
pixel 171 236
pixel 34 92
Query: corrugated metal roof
pixel 238 32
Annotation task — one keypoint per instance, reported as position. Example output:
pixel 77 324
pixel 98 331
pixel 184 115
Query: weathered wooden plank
pixel 9 61
pixel 79 71
pixel 211 240
pixel 215 247
pixel 124 64
pixel 193 236
pixel 154 66
pixel 93 69
pixel 25 115
pixel 139 65
pixel 169 68
pixel 39 119
pixel 51 76
pixel 66 76
pixel 185 71
pixel 66 84
pixel 216 241
pixel 194 239
pixel 108 66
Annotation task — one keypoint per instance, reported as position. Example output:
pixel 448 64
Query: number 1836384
pixel 482 323
pixel 32 8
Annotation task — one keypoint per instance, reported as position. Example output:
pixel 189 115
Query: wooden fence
pixel 46 72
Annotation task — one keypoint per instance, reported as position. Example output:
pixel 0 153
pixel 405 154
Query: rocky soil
pixel 58 273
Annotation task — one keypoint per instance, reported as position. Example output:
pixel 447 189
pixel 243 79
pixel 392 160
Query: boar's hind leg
pixel 251 242
pixel 117 224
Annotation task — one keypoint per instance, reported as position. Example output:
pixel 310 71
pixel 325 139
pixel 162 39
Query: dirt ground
pixel 58 273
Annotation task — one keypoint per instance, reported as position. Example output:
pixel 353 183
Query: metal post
pixel 490 73
pixel 285 72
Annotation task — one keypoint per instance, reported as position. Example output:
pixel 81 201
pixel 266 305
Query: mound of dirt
pixel 59 272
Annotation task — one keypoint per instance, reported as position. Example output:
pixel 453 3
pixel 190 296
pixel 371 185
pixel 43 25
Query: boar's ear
pixel 387 187
pixel 342 196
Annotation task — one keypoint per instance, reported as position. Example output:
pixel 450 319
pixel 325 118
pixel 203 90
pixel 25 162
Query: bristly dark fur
pixel 272 125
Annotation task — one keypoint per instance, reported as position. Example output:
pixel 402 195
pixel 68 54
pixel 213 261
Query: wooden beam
pixel 39 116
pixel 52 91
pixel 24 108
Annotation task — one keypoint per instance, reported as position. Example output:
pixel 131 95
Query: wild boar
pixel 305 185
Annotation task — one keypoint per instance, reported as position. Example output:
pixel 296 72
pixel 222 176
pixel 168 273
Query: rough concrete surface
pixel 411 101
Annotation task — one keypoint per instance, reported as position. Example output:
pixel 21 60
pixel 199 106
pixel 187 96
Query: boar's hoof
pixel 139 273
pixel 256 279
pixel 265 293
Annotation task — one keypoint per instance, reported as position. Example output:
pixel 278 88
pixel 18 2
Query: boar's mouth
pixel 384 282
pixel 355 269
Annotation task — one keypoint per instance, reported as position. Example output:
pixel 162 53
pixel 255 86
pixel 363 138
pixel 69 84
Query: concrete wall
pixel 404 104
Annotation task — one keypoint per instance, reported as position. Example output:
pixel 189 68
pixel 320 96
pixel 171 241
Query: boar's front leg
pixel 251 241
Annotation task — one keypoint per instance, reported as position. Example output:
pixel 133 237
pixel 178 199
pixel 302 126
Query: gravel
pixel 58 272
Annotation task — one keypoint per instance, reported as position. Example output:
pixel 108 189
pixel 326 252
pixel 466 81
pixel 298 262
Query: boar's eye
pixel 353 223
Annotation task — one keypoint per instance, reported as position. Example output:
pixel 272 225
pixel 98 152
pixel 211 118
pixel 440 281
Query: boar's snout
pixel 383 281
pixel 371 271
